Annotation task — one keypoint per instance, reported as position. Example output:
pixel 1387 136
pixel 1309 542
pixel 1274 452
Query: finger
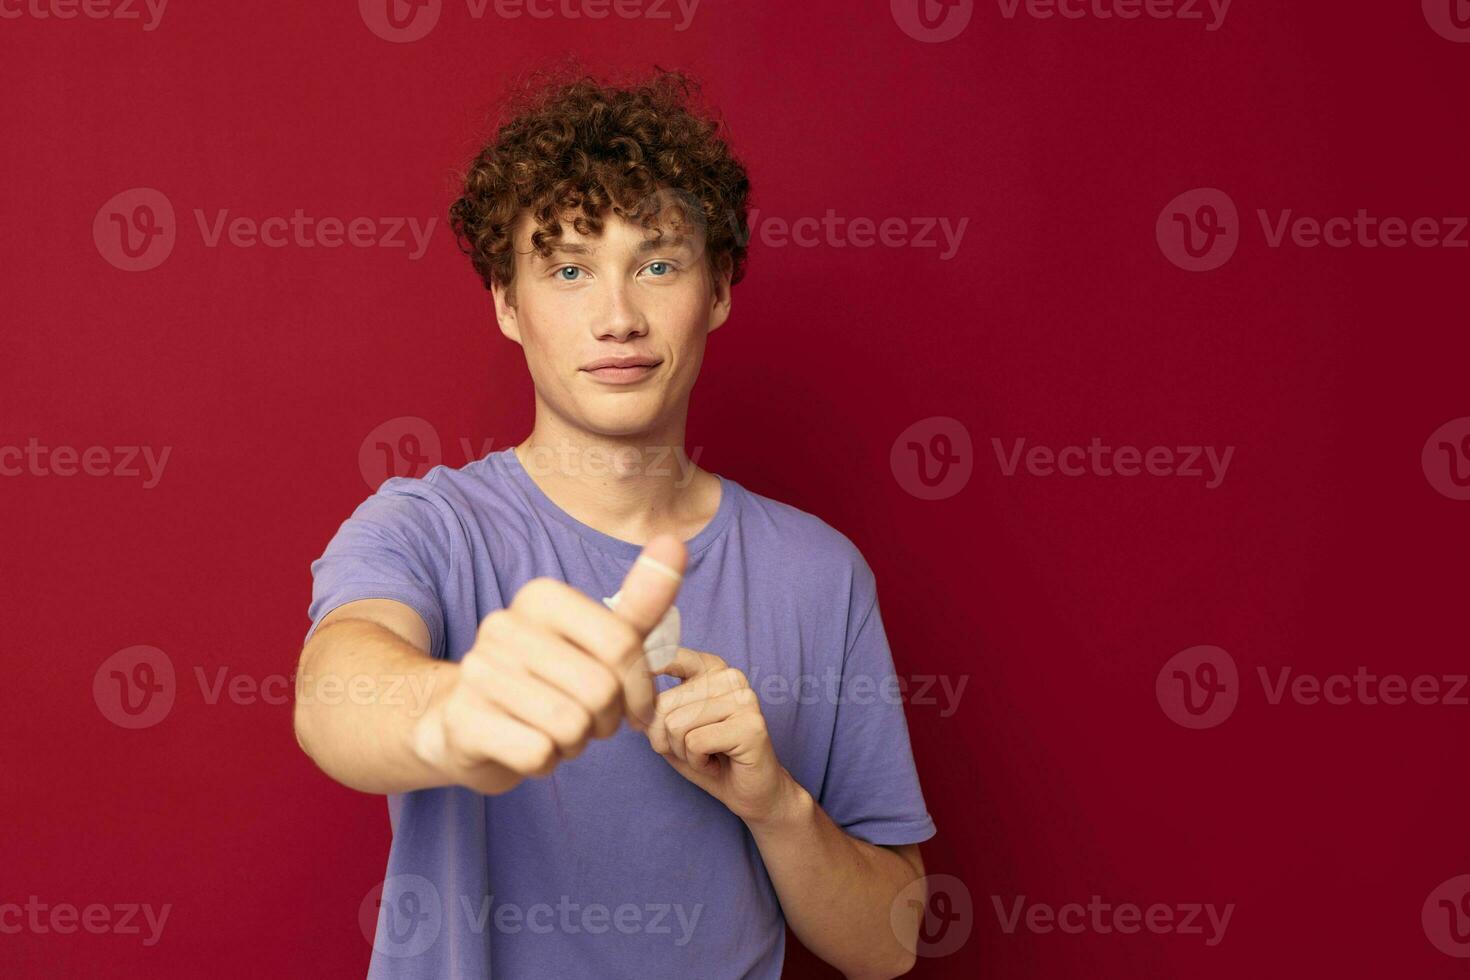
pixel 689 663
pixel 586 680
pixel 592 627
pixel 544 708
pixel 681 721
pixel 652 583
pixel 482 733
pixel 709 684
pixel 647 592
pixel 729 738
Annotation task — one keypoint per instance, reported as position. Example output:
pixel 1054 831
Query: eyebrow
pixel 647 245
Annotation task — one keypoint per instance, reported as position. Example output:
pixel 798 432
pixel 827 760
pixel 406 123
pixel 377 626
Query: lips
pixel 622 370
pixel 628 361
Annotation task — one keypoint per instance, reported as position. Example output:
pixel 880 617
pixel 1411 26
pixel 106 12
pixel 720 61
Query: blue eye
pixel 564 269
pixel 659 263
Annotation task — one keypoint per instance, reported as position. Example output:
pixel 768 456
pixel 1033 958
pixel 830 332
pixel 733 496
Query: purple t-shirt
pixel 615 865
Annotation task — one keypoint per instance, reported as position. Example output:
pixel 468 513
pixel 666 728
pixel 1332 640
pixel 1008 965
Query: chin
pixel 618 421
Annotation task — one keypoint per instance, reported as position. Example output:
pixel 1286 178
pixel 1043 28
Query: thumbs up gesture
pixel 547 673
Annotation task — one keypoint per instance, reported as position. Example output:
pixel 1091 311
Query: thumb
pixel 652 583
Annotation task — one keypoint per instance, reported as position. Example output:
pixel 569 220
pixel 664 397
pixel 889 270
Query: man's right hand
pixel 548 672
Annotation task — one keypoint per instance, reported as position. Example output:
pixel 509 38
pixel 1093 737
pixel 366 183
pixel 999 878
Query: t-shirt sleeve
pixel 871 789
pixel 394 546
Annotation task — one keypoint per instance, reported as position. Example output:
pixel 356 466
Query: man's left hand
pixel 711 730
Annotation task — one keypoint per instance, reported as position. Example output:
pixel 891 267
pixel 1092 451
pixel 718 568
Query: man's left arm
pixel 836 891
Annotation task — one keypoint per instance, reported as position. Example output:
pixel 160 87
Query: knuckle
pixel 731 679
pixel 536 591
pixel 476 669
pixel 744 696
pixel 572 724
pixel 622 640
pixel 493 624
pixel 604 693
pixel 539 755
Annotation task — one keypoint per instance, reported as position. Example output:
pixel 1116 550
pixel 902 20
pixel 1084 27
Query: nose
pixel 620 317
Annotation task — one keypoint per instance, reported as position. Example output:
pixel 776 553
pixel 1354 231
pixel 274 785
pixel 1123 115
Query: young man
pixel 764 777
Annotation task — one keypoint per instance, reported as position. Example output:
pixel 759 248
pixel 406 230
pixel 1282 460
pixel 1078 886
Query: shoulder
pixel 807 553
pixel 444 504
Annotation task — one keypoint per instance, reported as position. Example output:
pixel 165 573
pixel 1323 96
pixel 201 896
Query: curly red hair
pixel 576 149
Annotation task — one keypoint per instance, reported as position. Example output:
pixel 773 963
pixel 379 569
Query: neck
pixel 631 487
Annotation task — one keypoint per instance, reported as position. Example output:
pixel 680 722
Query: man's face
pixel 614 327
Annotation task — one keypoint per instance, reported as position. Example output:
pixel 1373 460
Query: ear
pixel 505 311
pixel 719 310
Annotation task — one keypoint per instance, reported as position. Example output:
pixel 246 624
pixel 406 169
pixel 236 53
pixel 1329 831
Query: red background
pixel 1060 319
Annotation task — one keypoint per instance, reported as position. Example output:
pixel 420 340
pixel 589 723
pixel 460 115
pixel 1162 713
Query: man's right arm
pixel 364 684
pixel 548 672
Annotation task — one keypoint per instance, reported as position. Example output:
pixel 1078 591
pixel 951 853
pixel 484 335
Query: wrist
pixel 793 807
pixel 426 733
